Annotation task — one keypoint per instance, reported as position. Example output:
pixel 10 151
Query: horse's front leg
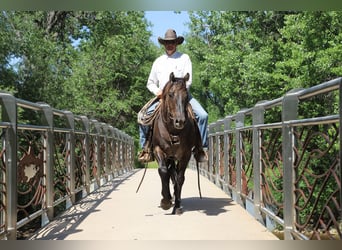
pixel 164 174
pixel 180 177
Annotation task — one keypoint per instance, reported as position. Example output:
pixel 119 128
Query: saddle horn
pixel 172 77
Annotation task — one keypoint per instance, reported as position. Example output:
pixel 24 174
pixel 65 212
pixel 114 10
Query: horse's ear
pixel 172 77
pixel 187 77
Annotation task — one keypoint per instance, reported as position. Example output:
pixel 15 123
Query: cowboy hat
pixel 170 35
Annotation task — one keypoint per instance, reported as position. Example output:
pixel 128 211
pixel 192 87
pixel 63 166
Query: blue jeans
pixel 201 117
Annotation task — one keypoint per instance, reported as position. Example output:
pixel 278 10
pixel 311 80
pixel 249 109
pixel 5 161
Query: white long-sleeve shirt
pixel 178 63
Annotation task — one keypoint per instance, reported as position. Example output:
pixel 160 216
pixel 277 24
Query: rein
pixel 147 119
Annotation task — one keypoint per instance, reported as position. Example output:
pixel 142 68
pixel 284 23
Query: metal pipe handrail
pixel 56 160
pixel 287 151
pixel 322 88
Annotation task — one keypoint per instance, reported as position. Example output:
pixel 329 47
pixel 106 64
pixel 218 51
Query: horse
pixel 174 136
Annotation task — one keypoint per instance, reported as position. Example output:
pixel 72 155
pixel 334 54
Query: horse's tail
pixel 198 180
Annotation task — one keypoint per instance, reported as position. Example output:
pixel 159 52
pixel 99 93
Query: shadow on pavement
pixel 207 205
pixel 67 222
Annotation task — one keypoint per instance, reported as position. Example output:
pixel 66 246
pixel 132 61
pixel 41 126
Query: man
pixel 179 64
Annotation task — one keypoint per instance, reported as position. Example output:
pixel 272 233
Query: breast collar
pixel 174 139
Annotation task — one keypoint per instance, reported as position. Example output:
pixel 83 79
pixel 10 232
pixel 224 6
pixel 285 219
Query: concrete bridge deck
pixel 116 212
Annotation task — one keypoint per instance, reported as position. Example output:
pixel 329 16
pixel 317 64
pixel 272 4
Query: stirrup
pixel 145 156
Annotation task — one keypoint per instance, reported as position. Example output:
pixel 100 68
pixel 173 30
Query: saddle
pixel 147 119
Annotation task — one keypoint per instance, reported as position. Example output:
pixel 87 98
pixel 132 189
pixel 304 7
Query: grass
pixel 152 164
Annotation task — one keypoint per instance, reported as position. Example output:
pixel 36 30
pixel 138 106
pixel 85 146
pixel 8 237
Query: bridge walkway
pixel 116 212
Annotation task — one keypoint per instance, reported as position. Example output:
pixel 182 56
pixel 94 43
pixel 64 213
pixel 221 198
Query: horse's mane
pixel 166 89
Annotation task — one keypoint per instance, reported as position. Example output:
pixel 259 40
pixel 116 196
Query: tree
pixel 91 63
pixel 244 57
pixel 40 51
pixel 7 74
pixel 109 76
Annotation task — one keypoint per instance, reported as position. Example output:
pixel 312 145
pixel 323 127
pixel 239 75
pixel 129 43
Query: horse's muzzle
pixel 178 123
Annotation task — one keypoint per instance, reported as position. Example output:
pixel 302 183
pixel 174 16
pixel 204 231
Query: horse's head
pixel 175 100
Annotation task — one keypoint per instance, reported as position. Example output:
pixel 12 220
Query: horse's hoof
pixel 165 204
pixel 177 211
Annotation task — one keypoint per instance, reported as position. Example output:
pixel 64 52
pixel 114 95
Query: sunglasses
pixel 170 42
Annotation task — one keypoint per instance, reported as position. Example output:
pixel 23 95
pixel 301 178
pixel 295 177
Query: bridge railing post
pixel 117 151
pixel 213 166
pixel 9 115
pixel 131 152
pixel 227 125
pixel 110 150
pixel 258 118
pixel 128 152
pixel 48 163
pixel 71 165
pixel 211 150
pixel 86 156
pixel 120 155
pixel 124 151
pixel 97 151
pixel 289 112
pixel 219 151
pixel 105 131
pixel 114 151
pixel 239 120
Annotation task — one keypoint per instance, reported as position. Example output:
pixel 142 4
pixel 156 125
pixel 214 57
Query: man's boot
pixel 146 154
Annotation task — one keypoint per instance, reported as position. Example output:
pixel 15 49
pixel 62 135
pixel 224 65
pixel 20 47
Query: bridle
pixel 167 116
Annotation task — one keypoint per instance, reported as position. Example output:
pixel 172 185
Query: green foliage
pixel 244 57
pixel 91 63
pixel 110 73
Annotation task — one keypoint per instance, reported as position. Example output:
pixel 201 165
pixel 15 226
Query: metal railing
pixel 52 158
pixel 280 160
